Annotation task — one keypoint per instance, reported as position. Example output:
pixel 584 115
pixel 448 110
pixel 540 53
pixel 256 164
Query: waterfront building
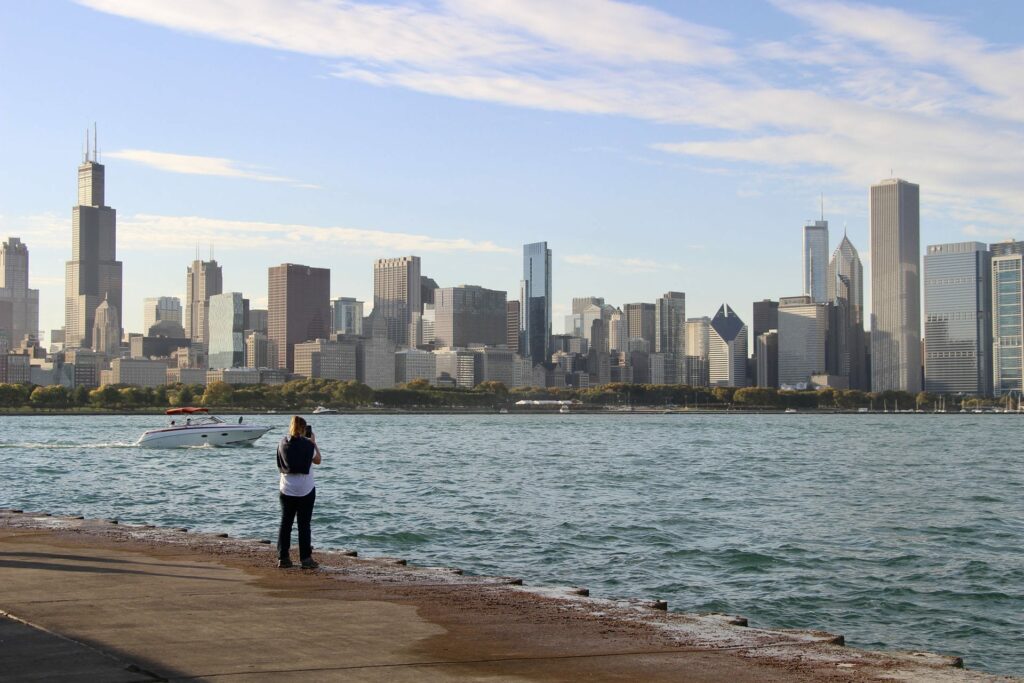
pixel 1007 317
pixel 458 365
pixel 494 364
pixel 159 308
pixel 663 368
pixel 670 324
pixel 299 308
pixel 767 369
pixel 375 362
pixel 802 339
pixel 469 315
pixel 347 316
pixel 257 320
pixel 138 372
pixel 766 317
pixel 226 330
pixel 15 368
pixel 895 286
pixel 413 364
pixel 815 253
pixel 23 302
pixel 598 359
pixel 260 351
pixel 958 318
pixel 93 274
pixel 86 365
pixel 640 322
pixel 846 284
pixel 326 359
pixel 512 324
pixel 106 330
pixel 397 294
pixel 203 279
pixel 727 349
pixel 535 298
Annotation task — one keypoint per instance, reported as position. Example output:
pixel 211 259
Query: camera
pixel 309 432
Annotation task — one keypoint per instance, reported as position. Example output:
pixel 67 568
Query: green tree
pixel 49 397
pixel 106 396
pixel 218 394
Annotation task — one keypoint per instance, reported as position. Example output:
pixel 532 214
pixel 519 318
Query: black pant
pixel 290 506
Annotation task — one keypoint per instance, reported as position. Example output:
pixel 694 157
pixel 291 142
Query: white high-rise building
pixel 815 254
pixel 727 349
pixel 14 289
pixel 1007 317
pixel 895 286
pixel 802 335
pixel 397 295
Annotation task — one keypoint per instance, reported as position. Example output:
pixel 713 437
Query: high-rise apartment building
pixel 24 302
pixel 670 324
pixel 815 254
pixel 299 308
pixel 469 315
pixel 260 352
pixel 159 308
pixel 397 292
pixel 535 298
pixel 640 322
pixel 1007 317
pixel 802 340
pixel 727 349
pixel 958 318
pixel 326 359
pixel 93 274
pixel 512 322
pixel 203 280
pixel 895 286
pixel 226 331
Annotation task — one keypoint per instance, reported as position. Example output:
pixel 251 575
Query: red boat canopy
pixel 186 411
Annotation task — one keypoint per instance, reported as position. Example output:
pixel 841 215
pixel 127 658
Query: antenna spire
pixel 86 145
pixel 95 144
pixel 822 206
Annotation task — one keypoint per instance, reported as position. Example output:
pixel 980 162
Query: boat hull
pixel 219 435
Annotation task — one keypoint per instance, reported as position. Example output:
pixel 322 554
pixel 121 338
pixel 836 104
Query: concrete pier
pixel 90 600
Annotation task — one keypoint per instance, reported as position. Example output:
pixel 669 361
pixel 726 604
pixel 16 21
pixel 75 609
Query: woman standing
pixel 296 455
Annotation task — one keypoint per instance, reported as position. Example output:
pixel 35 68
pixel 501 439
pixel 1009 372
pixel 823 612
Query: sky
pixel 655 147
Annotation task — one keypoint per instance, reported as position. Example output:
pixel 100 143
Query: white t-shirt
pixel 297 484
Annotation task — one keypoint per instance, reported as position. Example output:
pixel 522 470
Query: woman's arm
pixel 316 451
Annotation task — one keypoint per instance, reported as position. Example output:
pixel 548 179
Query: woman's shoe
pixel 285 564
pixel 310 563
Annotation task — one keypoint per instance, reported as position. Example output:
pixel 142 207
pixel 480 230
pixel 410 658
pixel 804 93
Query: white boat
pixel 564 409
pixel 195 427
pixel 320 410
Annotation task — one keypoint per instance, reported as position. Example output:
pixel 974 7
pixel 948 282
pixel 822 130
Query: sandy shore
pixel 93 600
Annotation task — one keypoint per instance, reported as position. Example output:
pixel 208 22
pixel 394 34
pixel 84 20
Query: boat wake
pixel 51 446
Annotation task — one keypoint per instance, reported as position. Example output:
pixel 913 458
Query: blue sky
pixel 666 146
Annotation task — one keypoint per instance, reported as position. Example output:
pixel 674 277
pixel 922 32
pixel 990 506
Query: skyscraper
pixel 299 308
pixel 895 286
pixel 14 290
pixel 205 279
pixel 1007 317
pixel 670 323
pixel 766 318
pixel 816 260
pixel 535 296
pixel 802 337
pixel 846 294
pixel 640 322
pixel 727 349
pixel 512 322
pixel 958 318
pixel 106 330
pixel 93 274
pixel 226 331
pixel 159 308
pixel 469 315
pixel 347 316
pixel 397 291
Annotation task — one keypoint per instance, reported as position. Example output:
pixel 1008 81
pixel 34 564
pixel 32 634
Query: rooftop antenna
pixel 197 250
pixel 822 206
pixel 844 228
pixel 95 144
pixel 86 145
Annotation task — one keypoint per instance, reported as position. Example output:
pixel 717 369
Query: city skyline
pixel 238 172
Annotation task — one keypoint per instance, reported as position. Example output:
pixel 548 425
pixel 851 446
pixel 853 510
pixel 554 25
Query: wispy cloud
pixel 863 89
pixel 191 164
pixel 620 265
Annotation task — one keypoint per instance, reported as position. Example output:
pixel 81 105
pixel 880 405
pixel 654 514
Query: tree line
pixel 303 394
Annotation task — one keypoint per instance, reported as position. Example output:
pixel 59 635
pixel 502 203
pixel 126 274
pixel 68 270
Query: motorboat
pixel 320 410
pixel 196 427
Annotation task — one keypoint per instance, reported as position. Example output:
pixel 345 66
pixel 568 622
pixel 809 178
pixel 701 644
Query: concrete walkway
pixel 94 602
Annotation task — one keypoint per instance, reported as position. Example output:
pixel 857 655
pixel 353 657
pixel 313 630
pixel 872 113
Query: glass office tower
pixel 535 295
pixel 1007 315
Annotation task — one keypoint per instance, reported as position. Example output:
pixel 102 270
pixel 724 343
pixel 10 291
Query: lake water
pixel 898 531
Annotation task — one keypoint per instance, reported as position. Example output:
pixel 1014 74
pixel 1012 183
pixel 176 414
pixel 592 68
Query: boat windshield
pixel 196 420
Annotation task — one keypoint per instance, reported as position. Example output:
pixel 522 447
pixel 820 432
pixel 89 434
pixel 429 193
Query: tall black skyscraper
pixel 93 274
